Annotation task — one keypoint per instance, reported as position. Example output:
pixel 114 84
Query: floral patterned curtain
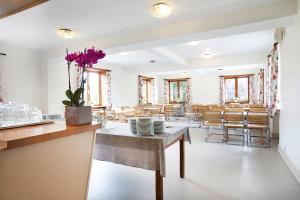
pixel 166 92
pixel 140 92
pixel 153 97
pixel 1 100
pixel 251 90
pixel 260 83
pixel 272 79
pixel 188 91
pixel 222 90
pixel 108 89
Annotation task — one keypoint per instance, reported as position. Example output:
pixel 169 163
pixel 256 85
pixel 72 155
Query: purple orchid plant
pixel 84 60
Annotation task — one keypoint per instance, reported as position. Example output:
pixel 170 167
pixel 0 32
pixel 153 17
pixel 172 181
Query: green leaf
pixel 77 94
pixel 67 103
pixel 69 94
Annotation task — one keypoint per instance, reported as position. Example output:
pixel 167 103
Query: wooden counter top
pixel 18 137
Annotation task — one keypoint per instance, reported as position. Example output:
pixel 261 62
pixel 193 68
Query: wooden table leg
pixel 182 158
pixel 159 189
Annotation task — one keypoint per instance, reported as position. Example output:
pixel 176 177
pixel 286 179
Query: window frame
pixel 177 81
pixel 148 82
pixel 236 86
pixel 100 72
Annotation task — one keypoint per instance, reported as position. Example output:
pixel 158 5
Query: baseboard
pixel 289 163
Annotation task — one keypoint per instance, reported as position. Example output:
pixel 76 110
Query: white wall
pixel 123 88
pixel 289 144
pixel 20 71
pixel 205 85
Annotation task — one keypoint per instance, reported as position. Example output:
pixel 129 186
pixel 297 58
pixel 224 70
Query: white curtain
pixel 1 64
pixel 251 90
pixel 272 79
pixel 153 97
pixel 222 90
pixel 108 89
pixel 188 91
pixel 166 92
pixel 140 90
pixel 260 86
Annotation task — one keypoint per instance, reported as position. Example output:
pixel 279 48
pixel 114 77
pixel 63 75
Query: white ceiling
pixel 183 54
pixel 36 28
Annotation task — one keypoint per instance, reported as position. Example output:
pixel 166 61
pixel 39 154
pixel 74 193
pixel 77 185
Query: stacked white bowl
pixel 158 126
pixel 144 126
pixel 132 124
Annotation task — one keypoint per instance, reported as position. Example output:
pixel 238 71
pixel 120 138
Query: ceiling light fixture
pixel 193 43
pixel 207 55
pixel 65 33
pixel 161 10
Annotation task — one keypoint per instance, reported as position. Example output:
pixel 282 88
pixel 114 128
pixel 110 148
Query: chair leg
pixel 243 142
pixel 207 134
pixel 268 139
pixel 249 135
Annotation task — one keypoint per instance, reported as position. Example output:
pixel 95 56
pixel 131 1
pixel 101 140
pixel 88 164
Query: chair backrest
pixel 233 117
pixel 212 116
pixel 235 109
pixel 258 109
pixel 218 108
pixel 256 106
pixel 258 118
pixel 190 108
pixel 202 108
pixel 168 108
pixel 236 105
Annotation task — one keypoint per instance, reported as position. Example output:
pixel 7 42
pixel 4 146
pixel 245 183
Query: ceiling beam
pixel 171 55
pixel 10 7
pixel 228 22
pixel 215 62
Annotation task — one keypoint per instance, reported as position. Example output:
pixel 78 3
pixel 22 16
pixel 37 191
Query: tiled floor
pixel 213 172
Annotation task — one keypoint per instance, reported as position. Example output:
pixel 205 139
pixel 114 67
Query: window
pixel 237 89
pixel 177 90
pixel 147 90
pixel 95 87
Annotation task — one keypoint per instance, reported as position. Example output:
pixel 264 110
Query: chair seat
pixel 214 124
pixel 257 126
pixel 234 125
pixel 191 114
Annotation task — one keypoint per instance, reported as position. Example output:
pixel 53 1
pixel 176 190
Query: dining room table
pixel 117 144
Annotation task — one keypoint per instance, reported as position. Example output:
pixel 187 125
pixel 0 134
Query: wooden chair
pixel 256 106
pixel 259 121
pixel 139 111
pixel 234 120
pixel 160 112
pixel 200 110
pixel 212 120
pixel 235 109
pixel 191 112
pixel 258 109
pixel 218 108
pixel 169 111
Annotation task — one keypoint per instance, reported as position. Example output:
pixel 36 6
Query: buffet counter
pixel 50 161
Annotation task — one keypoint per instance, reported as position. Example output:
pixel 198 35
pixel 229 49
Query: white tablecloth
pixel 118 145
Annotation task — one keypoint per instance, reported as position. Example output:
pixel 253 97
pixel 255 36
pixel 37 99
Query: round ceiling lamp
pixel 207 55
pixel 65 33
pixel 161 10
